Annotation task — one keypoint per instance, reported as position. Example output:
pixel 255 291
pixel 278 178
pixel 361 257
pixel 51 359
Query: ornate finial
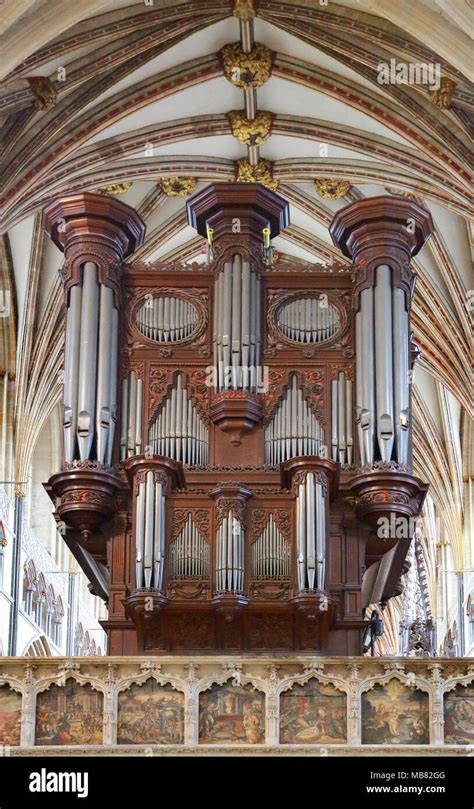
pixel 114 189
pixel 261 173
pixel 177 186
pixel 44 91
pixel 151 666
pixel 331 187
pixel 445 93
pixel 244 9
pixel 247 70
pixel 251 133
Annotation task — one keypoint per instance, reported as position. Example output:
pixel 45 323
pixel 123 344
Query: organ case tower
pixel 236 429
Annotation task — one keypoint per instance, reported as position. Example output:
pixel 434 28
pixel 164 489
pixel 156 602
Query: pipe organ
pixel 294 429
pixel 90 368
pixel 189 552
pixel 237 326
pixel 271 553
pixel 265 423
pixel 178 430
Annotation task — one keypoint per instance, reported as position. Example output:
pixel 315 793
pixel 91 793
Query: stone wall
pixel 216 705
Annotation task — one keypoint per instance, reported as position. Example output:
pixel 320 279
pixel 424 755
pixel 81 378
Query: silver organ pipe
pixel 88 360
pixel 71 370
pixel 294 429
pixel 131 416
pixel 178 430
pixel 237 326
pixel 166 319
pixel 382 383
pixel 308 320
pixel 365 357
pixel 341 418
pixel 103 409
pixel 149 533
pixel 311 534
pixel 271 554
pixel 189 553
pixel 230 555
pixel 113 385
pixel 400 377
pixel 384 361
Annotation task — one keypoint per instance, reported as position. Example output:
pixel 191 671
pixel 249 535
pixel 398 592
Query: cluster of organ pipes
pixel 294 429
pixel 230 555
pixel 166 319
pixel 271 554
pixel 189 552
pixel 178 430
pixel 308 320
pixel 90 372
pixel 149 533
pixel 237 326
pixel 311 534
pixel 341 419
pixel 131 416
pixel 382 374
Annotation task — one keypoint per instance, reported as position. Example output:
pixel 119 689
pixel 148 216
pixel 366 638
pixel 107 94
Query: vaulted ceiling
pixel 136 92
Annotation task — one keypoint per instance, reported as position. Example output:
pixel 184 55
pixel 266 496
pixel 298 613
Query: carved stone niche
pixel 84 496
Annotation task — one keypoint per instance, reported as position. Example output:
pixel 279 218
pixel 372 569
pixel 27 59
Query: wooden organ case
pixel 236 429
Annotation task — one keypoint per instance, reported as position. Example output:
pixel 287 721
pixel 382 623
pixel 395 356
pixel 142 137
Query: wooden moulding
pixel 220 204
pixel 85 497
pixel 96 228
pixel 379 494
pixel 330 470
pixel 236 413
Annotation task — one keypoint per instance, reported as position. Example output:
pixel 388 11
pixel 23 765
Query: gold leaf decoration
pixel 177 186
pixel 444 95
pixel 44 91
pixel 247 70
pixel 251 133
pixel 261 173
pixel 331 187
pixel 114 189
pixel 244 9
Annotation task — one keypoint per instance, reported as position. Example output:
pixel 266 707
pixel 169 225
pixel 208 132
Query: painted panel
pixel 395 714
pixel 150 714
pixel 10 716
pixel 69 714
pixel 459 715
pixel 231 715
pixel 313 713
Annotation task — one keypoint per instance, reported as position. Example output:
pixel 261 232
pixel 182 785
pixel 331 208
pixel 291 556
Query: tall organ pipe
pixel 71 370
pixel 311 529
pixel 341 418
pixel 382 352
pixel 400 380
pixel 384 361
pixel 87 360
pixel 103 409
pixel 149 533
pixel 230 555
pixel 237 326
pixel 365 357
